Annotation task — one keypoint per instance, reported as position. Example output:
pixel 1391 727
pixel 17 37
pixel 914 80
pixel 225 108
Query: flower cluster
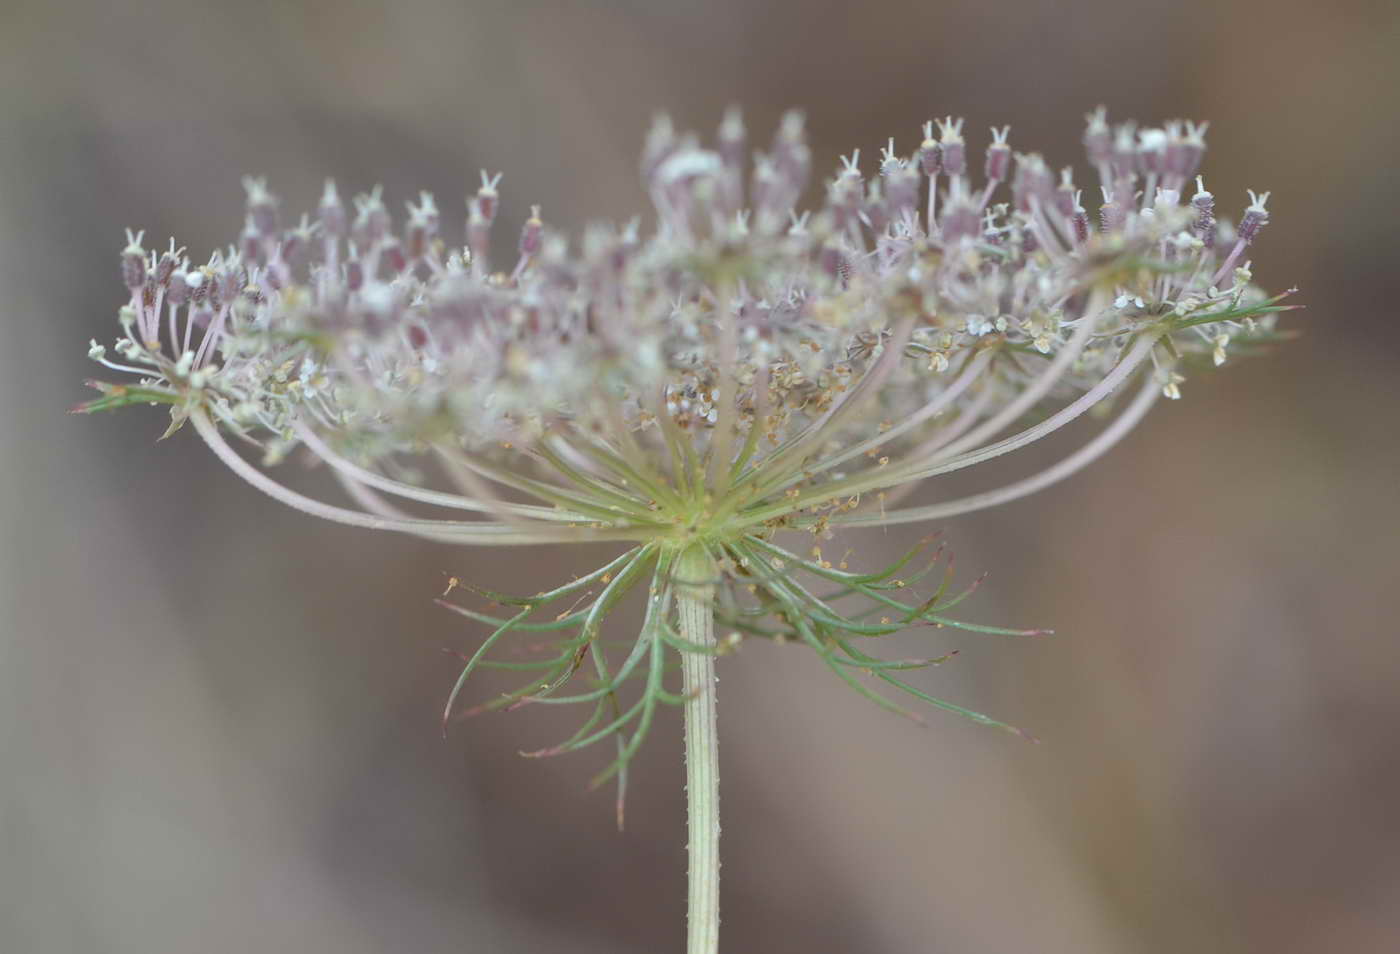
pixel 741 368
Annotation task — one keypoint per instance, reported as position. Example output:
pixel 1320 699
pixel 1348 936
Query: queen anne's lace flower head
pixel 740 367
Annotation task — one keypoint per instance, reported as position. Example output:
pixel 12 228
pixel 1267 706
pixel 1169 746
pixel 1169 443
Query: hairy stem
pixel 695 576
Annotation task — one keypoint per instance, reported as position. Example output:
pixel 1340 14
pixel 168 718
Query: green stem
pixel 695 597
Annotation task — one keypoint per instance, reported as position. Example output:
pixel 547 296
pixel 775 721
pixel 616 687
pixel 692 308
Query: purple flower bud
pixel 417 336
pixel 1151 151
pixel 133 262
pixel 1066 199
pixel 1173 156
pixel 1029 243
pixel 296 242
pixel 889 162
pixel 732 139
pixel 790 152
pixel 354 274
pixel 371 219
pixel 902 191
pixel 962 218
pixel 1098 138
pixel 415 240
pixel 531 232
pixel 250 242
pixel 847 191
pixel 1124 160
pixel 1255 217
pixel 1184 152
pixel 1203 204
pixel 422 226
pixel 930 153
pixel 478 236
pixel 954 150
pixel 954 158
pixel 1033 182
pixel 392 252
pixel 262 206
pixel 769 194
pixel 1080 223
pixel 228 282
pixel 199 285
pixel 998 155
pixel 278 274
pixel 487 198
pixel 1112 214
pixel 178 291
pixel 874 208
pixel 331 213
pixel 165 267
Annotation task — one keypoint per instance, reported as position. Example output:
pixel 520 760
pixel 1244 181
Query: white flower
pixel 725 375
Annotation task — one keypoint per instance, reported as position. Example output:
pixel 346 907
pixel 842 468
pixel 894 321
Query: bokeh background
pixel 217 717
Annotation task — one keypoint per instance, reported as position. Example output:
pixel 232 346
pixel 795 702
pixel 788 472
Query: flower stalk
pixel 695 590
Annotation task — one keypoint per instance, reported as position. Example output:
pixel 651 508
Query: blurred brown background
pixel 217 717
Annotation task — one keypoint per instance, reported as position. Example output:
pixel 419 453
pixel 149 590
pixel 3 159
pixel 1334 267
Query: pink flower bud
pixel 930 153
pixel 1203 204
pixel 1255 217
pixel 134 262
pixel 331 213
pixel 998 155
pixel 165 267
pixel 487 198
pixel 371 219
pixel 178 291
pixel 954 149
pixel 261 206
pixel 392 252
pixel 531 232
pixel 1098 138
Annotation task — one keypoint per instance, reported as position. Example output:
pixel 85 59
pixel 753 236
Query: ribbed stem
pixel 695 595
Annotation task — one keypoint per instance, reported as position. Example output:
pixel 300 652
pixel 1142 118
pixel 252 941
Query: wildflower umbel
pixel 740 369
